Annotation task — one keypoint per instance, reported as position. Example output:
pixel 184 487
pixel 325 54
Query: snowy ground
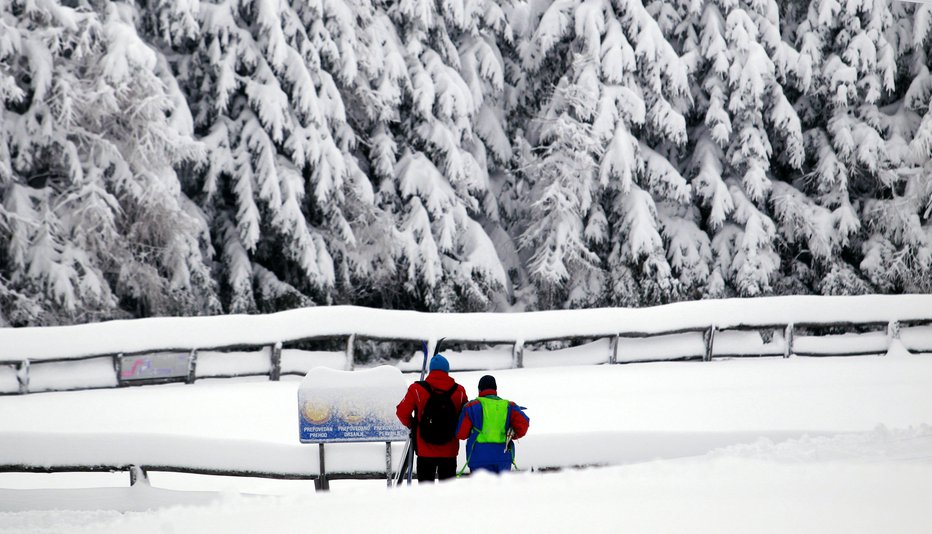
pixel 763 445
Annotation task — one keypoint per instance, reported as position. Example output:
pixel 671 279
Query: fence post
pixel 192 366
pixel 275 372
pixel 788 334
pixel 517 355
pixel 709 338
pixel 893 332
pixel 22 376
pixel 613 355
pixel 350 348
pixel 118 368
pixel 137 475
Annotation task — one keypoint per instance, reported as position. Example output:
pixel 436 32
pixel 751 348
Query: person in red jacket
pixel 434 460
pixel 489 424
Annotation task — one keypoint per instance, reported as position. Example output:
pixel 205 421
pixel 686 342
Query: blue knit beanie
pixel 439 363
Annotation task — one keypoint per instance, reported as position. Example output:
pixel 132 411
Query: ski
pixel 399 478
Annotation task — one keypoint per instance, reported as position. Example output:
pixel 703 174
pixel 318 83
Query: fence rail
pixel 140 454
pixel 626 330
pixel 140 473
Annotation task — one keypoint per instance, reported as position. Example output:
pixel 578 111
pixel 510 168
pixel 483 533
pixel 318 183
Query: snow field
pixel 719 493
pixel 732 445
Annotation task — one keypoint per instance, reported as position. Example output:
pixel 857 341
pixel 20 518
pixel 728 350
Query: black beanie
pixel 487 382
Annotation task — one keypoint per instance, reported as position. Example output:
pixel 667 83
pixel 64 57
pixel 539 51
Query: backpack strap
pixel 430 390
pixel 426 386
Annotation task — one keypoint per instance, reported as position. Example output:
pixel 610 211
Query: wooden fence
pixel 817 335
pixel 140 473
pixel 140 454
pixel 789 343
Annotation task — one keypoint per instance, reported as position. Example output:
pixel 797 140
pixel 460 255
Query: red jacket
pixel 416 398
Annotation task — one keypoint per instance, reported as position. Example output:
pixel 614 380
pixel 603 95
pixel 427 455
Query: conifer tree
pixel 440 185
pixel 263 80
pixel 747 136
pixel 869 195
pixel 186 157
pixel 93 220
pixel 602 183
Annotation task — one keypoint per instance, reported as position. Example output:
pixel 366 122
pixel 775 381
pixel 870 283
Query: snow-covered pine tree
pixel 565 125
pixel 689 250
pixel 868 217
pixel 93 223
pixel 264 80
pixel 562 176
pixel 447 138
pixel 604 193
pixel 745 134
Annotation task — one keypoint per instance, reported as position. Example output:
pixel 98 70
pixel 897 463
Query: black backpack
pixel 438 422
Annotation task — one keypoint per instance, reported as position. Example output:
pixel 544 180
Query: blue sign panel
pixel 346 406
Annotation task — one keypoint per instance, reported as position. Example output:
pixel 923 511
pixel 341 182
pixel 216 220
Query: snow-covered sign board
pixel 337 406
pixel 154 366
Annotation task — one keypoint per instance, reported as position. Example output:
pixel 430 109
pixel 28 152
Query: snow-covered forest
pixel 184 157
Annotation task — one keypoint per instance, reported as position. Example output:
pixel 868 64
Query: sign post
pixel 350 407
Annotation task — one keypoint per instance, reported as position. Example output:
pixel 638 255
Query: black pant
pixel 441 468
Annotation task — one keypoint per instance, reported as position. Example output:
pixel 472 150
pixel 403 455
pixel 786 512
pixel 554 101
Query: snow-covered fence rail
pixel 139 454
pixel 94 355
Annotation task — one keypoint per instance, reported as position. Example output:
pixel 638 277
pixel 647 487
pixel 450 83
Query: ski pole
pixel 508 437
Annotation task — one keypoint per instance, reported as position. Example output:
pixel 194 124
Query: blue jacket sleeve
pixel 468 420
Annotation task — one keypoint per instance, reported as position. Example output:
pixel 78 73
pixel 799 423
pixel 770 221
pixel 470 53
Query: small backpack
pixel 438 422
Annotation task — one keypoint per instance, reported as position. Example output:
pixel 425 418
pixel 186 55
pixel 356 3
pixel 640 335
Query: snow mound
pixel 912 444
pixel 897 350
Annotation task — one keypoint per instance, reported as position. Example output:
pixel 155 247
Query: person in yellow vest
pixel 489 424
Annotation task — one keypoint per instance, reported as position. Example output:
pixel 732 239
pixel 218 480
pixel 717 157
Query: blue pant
pixel 494 468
